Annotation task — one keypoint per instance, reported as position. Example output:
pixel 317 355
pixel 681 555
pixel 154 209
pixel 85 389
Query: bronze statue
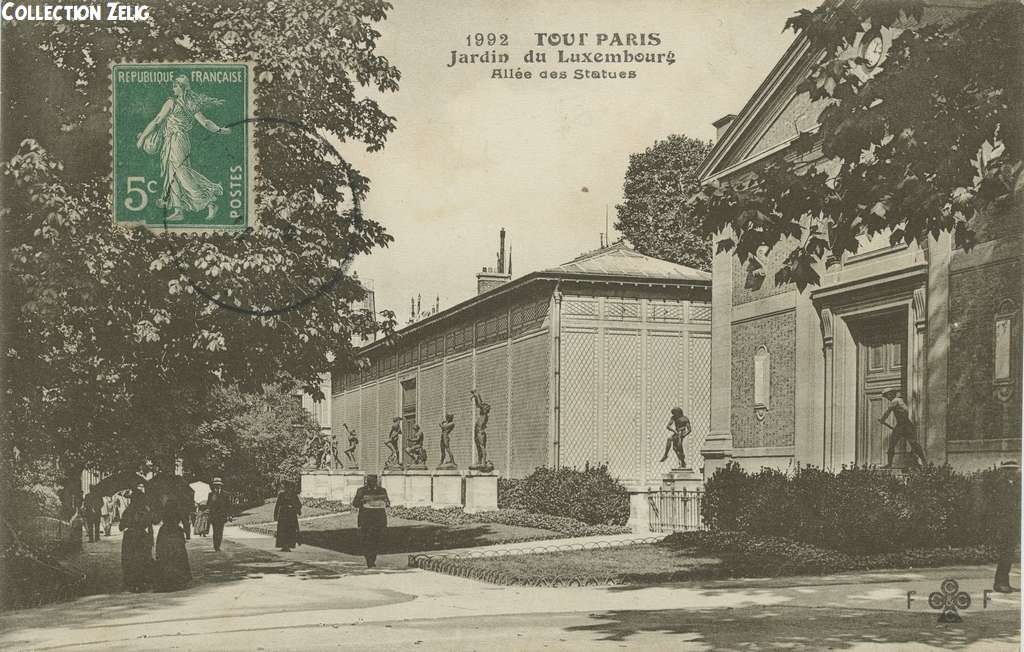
pixel 483 411
pixel 447 460
pixel 417 453
pixel 353 442
pixel 392 443
pixel 679 426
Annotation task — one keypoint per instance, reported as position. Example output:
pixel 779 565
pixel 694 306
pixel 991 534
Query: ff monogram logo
pixel 949 601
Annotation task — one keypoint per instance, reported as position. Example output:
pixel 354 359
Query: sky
pixel 473 154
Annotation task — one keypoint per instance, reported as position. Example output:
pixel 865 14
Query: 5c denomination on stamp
pixel 183 156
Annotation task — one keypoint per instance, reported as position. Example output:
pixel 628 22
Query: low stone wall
pixel 473 491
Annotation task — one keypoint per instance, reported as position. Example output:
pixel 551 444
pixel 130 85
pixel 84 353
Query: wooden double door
pixel 881 364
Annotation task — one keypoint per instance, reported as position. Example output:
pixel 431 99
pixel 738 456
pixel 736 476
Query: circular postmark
pixel 240 243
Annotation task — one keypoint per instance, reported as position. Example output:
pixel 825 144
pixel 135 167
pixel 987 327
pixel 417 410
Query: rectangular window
pixel 1004 327
pixel 762 377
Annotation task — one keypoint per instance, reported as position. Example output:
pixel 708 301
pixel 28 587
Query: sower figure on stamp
pixel 417 454
pixel 447 426
pixel 904 429
pixel 483 411
pixel 392 442
pixel 168 134
pixel 679 426
pixel 353 442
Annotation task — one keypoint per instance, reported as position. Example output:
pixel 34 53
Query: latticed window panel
pixel 460 403
pixel 700 312
pixel 338 416
pixel 460 339
pixel 622 310
pixel 529 316
pixel 429 411
pixel 579 398
pixel 666 389
pixel 371 435
pixel 492 383
pixel 700 396
pixel 580 308
pixel 432 348
pixel 620 447
pixel 408 356
pixel 664 311
pixel 492 330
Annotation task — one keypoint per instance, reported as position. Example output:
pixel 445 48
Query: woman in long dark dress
pixel 173 570
pixel 287 511
pixel 137 543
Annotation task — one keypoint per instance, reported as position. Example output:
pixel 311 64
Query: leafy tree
pixel 114 340
pixel 929 143
pixel 655 216
pixel 255 441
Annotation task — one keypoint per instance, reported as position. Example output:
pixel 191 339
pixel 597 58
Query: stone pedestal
pixel 344 483
pixel 680 479
pixel 417 488
pixel 481 492
pixel 394 483
pixel 447 490
pixel 316 483
pixel 639 510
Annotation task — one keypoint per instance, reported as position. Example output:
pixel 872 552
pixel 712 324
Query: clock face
pixel 872 51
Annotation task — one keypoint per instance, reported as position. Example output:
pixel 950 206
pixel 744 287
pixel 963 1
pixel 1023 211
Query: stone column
pixel 828 337
pixel 717 449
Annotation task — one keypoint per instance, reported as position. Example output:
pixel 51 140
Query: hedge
pixel 455 516
pixel 590 495
pixel 862 511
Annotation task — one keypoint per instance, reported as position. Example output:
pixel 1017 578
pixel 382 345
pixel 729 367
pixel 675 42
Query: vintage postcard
pixel 494 325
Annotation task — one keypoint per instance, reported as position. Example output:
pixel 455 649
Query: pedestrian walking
pixel 137 544
pixel 172 568
pixel 1008 531
pixel 92 508
pixel 218 509
pixel 107 514
pixel 372 501
pixel 286 513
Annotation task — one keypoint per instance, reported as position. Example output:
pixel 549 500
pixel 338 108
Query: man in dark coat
pixel 371 500
pixel 1009 533
pixel 219 509
pixel 92 512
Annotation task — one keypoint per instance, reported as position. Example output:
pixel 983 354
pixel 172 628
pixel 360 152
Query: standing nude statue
pixel 483 411
pixel 392 442
pixel 353 442
pixel 447 426
pixel 679 426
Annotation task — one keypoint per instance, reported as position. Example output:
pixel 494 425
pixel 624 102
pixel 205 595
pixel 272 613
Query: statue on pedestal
pixel 417 453
pixel 679 426
pixel 483 411
pixel 392 444
pixel 447 460
pixel 353 442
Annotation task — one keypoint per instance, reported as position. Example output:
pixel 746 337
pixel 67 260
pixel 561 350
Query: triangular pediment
pixel 773 116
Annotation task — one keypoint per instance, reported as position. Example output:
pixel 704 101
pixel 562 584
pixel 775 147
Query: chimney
pixel 492 277
pixel 722 125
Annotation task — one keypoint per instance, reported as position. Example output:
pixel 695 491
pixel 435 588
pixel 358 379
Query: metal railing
pixel 675 511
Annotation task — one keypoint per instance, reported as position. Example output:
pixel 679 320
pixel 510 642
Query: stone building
pixel 579 363
pixel 798 376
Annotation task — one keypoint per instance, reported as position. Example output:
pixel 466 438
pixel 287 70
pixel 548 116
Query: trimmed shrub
pixel 862 511
pixel 590 495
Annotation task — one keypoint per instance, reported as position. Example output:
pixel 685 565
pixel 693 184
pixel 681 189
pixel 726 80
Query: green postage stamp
pixel 182 145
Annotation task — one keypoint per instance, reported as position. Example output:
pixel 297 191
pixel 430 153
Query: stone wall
pixel 975 295
pixel 777 332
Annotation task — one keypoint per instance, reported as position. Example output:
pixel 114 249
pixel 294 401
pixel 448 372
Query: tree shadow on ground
pixel 413 537
pixel 796 628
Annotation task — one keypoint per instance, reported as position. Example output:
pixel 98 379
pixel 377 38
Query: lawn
pixel 265 513
pixel 340 533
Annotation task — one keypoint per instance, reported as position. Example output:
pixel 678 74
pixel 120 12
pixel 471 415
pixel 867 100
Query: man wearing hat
pixel 904 428
pixel 372 501
pixel 1008 534
pixel 218 507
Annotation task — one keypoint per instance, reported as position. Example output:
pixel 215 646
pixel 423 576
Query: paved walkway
pixel 251 597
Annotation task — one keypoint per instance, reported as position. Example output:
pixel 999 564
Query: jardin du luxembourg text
pixel 561 55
